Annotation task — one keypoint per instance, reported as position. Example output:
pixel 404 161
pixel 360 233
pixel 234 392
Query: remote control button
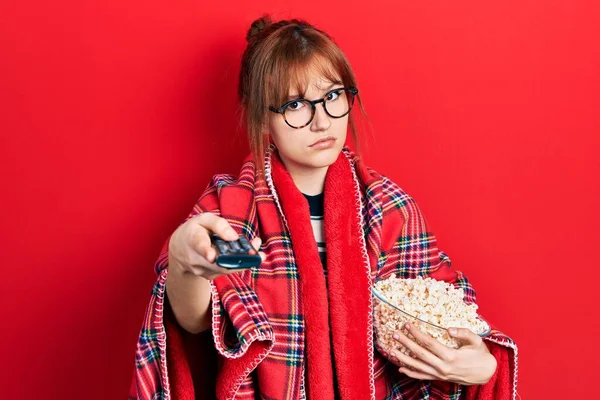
pixel 235 246
pixel 247 247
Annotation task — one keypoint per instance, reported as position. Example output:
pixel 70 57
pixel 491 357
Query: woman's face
pixel 299 148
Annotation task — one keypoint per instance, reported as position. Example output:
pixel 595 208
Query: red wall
pixel 114 116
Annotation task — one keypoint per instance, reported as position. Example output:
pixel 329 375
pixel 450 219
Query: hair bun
pixel 258 26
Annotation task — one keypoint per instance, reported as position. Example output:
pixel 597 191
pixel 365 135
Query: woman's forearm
pixel 189 296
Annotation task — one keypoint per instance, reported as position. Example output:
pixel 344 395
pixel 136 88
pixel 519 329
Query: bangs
pixel 300 76
pixel 293 76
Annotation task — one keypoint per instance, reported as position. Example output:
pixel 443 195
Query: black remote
pixel 235 254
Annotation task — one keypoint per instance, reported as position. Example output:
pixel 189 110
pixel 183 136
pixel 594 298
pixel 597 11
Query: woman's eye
pixel 332 96
pixel 295 105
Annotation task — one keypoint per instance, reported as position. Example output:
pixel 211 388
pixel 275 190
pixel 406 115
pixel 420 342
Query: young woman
pixel 299 326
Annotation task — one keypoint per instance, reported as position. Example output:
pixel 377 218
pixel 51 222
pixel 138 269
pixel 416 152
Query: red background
pixel 114 116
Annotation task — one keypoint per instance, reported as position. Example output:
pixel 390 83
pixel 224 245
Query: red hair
pixel 279 56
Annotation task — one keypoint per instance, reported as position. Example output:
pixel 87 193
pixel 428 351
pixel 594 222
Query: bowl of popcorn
pixel 429 305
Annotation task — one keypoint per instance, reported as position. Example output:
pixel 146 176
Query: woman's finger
pixel 256 243
pixel 465 336
pixel 428 342
pixel 417 375
pixel 263 256
pixel 419 352
pixel 218 225
pixel 413 363
pixel 202 245
pixel 210 270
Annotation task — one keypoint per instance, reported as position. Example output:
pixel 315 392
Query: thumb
pixel 256 243
pixel 464 336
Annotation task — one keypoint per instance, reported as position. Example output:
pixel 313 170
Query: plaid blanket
pixel 271 324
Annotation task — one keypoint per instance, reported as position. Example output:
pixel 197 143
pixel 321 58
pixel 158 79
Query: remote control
pixel 235 254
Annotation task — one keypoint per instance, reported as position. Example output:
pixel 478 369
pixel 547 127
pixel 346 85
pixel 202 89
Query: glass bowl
pixel 388 318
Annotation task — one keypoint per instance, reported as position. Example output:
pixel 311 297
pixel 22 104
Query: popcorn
pixel 417 300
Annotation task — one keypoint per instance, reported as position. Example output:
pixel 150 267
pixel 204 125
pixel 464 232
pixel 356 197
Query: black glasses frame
pixel 281 110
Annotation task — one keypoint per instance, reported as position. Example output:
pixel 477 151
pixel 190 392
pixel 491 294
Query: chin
pixel 325 157
pixel 307 160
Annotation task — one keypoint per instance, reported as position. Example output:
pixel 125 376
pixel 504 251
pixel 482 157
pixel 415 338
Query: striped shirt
pixel 315 204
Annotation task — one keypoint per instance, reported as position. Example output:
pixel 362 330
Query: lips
pixel 325 139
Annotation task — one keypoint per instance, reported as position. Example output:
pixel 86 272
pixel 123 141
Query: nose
pixel 321 121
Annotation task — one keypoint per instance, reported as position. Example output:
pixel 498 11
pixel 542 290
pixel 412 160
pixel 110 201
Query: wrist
pixel 491 366
pixel 174 265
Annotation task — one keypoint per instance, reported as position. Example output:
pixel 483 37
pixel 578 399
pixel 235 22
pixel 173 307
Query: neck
pixel 309 181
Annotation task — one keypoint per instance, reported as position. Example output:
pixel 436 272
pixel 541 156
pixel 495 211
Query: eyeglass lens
pixel 337 104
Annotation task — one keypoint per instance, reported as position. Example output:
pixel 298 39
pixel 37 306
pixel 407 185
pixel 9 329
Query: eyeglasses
pixel 300 112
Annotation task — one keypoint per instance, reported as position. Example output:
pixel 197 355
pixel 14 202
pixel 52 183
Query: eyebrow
pixel 295 96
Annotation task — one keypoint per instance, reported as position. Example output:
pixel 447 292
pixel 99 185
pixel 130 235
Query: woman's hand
pixel 470 364
pixel 191 250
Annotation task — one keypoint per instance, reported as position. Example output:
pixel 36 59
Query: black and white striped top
pixel 315 204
